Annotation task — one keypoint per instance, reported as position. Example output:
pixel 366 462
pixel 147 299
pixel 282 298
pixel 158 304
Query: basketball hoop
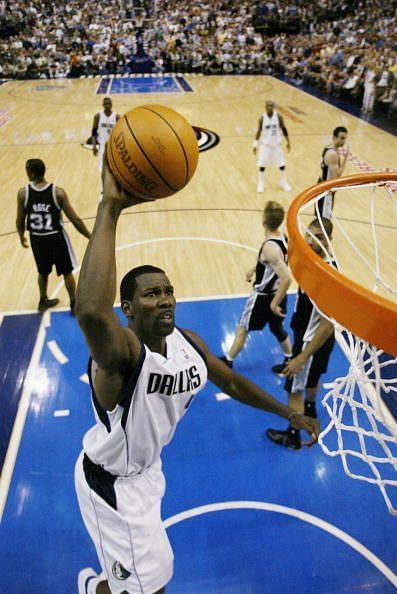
pixel 360 298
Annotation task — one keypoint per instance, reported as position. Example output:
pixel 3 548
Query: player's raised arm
pixel 114 348
pixel 242 389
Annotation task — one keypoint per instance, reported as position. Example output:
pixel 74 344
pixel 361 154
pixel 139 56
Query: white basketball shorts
pixel 131 542
pixel 267 155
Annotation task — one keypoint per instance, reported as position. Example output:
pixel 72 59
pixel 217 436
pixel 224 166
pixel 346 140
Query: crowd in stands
pixel 347 49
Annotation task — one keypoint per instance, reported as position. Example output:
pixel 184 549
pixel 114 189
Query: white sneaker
pixel 284 185
pixel 260 188
pixel 84 578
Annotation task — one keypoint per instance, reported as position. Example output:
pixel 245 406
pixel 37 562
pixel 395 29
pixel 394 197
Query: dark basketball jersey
pixel 266 280
pixel 43 211
pixel 306 316
pixel 324 167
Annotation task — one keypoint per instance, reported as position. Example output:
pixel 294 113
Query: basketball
pixel 152 152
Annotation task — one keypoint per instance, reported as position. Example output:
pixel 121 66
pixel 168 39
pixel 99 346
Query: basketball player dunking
pixel 143 378
pixel 332 165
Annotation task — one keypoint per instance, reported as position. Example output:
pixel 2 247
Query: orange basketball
pixel 152 151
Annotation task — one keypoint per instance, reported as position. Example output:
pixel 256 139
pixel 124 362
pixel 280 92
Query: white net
pixel 362 404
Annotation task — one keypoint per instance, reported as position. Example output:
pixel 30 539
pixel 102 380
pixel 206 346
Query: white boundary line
pixel 19 423
pixel 289 511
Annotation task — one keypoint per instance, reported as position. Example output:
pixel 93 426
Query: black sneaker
pixel 279 368
pixel 226 361
pixel 310 409
pixel 46 303
pixel 285 438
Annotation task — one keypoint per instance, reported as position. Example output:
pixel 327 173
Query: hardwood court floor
pixel 207 235
pixel 221 481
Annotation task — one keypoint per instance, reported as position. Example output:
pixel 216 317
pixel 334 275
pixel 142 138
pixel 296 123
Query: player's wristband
pixel 255 144
pixel 291 415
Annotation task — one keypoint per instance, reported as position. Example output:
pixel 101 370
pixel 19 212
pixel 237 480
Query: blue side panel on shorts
pixel 246 543
pixel 15 357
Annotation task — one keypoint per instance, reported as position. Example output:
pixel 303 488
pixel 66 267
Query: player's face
pixel 107 105
pixel 269 108
pixel 317 241
pixel 340 139
pixel 153 305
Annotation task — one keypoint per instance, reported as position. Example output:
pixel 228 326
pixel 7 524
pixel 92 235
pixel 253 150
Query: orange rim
pixel 366 314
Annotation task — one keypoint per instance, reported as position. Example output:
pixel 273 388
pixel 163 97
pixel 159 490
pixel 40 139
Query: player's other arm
pixel 272 254
pixel 246 392
pixel 69 211
pixel 115 349
pixel 258 133
pixel 21 217
pixel 94 134
pixel 321 335
pixel 284 131
pixel 336 167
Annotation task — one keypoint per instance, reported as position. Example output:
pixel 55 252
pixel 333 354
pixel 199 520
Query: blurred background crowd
pixel 346 49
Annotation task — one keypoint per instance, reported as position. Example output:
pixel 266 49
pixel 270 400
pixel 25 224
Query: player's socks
pixel 284 185
pixel 260 187
pixel 310 409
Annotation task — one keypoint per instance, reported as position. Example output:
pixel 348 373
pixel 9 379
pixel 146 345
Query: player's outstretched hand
pixel 112 191
pixel 311 426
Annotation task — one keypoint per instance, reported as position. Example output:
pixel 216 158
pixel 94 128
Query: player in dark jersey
pixel 39 211
pixel 332 165
pixel 267 302
pixel 118 504
pixel 313 344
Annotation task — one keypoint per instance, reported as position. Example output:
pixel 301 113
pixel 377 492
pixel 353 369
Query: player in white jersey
pixel 313 344
pixel 267 302
pixel 267 146
pixel 144 377
pixel 101 129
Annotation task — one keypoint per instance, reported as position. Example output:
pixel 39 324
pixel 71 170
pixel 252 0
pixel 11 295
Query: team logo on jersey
pixel 168 384
pixel 206 138
pixel 119 572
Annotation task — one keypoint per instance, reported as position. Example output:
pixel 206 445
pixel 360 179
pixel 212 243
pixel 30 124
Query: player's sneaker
pixel 279 368
pixel 84 580
pixel 226 361
pixel 289 440
pixel 284 185
pixel 46 303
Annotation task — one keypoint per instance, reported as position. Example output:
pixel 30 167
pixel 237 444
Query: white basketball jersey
pixel 130 438
pixel 105 126
pixel 270 133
